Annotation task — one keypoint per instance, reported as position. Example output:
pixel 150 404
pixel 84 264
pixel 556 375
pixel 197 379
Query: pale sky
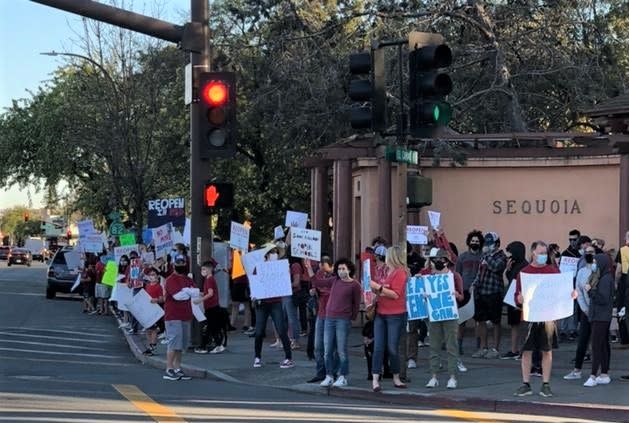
pixel 28 29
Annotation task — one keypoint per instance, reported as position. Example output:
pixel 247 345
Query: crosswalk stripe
pixel 143 402
pixel 56 330
pixel 60 353
pixel 53 337
pixel 46 344
pixel 50 360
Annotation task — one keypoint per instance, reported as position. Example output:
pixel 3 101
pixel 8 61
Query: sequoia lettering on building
pixel 536 207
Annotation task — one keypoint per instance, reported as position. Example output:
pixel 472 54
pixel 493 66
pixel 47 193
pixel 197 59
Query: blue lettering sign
pixel 441 303
pixel 415 301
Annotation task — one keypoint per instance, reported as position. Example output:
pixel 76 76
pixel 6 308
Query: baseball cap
pixel 381 250
pixel 491 238
pixel 438 253
pixel 180 259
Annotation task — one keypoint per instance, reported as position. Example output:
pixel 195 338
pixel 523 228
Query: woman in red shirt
pixel 390 316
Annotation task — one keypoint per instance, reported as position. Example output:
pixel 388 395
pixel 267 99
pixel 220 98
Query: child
pixel 155 291
pixel 216 317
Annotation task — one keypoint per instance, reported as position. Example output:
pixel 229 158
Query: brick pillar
pixel 384 200
pixel 342 209
pixel 319 204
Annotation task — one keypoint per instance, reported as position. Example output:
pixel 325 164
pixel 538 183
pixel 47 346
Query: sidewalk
pixel 487 386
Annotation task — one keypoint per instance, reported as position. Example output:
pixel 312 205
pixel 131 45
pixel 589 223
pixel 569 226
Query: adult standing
pixel 622 294
pixel 516 252
pixel 390 316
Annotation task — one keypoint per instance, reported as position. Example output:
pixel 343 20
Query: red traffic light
pixel 215 93
pixel 211 195
pixel 26 216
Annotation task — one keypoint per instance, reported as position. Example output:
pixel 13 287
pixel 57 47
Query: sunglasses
pixel 573 239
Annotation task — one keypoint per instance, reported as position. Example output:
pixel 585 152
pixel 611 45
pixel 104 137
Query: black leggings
pixel 600 347
pixel 585 331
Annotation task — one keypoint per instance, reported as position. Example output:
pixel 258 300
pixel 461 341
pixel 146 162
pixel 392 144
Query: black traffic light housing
pixel 217 195
pixel 368 88
pixel 217 106
pixel 428 86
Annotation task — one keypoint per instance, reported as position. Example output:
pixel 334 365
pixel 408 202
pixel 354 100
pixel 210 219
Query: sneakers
pixel 510 355
pixel 590 382
pixel 200 351
pixel 536 371
pixel 340 382
pixel 219 349
pixel 432 383
pixel 603 380
pixel 412 364
pixel 164 341
pixel 573 375
pixel 124 325
pixel 171 375
pixel 257 363
pixel 523 390
pixel 452 383
pixel 182 375
pixel 250 331
pixel 480 353
pixel 276 344
pixel 294 345
pixel 287 364
pixel 461 366
pixel 148 352
pixel 545 391
pixel 328 381
pixel 492 353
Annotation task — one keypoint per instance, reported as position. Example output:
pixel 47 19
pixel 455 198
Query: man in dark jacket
pixel 516 261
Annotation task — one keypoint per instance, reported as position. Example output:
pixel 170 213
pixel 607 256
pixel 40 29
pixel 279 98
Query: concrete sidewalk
pixel 487 386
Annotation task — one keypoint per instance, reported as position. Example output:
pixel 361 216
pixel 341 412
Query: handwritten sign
pixel 86 227
pixel 435 218
pixel 111 272
pixel 135 273
pixel 239 236
pixel 441 302
pixel 272 280
pixel 415 298
pixel 569 265
pixel 417 234
pixel 278 232
pixel 145 312
pixel 92 243
pixel 366 275
pixel 305 243
pixel 124 251
pixel 148 258
pixel 162 240
pixel 123 295
pixel 296 219
pixel 127 239
pixel 547 297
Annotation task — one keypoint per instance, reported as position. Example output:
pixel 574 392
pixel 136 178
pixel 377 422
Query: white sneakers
pixel 461 366
pixel 329 381
pixel 432 383
pixel 573 375
pixel 219 349
pixel 603 380
pixel 257 362
pixel 452 384
pixel 412 364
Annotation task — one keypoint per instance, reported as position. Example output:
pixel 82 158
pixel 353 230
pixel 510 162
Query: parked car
pixel 20 256
pixel 5 252
pixel 60 277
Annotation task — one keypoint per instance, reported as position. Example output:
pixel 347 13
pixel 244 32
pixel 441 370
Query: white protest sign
pixel 467 311
pixel 296 219
pixel 547 297
pixel 177 237
pixel 73 260
pixel 186 232
pixel 123 295
pixel 162 239
pixel 145 312
pixel 92 243
pixel 366 275
pixel 86 227
pixel 305 243
pixel 76 283
pixel 568 265
pixel 417 234
pixel 273 280
pixel 124 251
pixel 435 218
pixel 253 258
pixel 441 302
pixel 510 295
pixel 198 310
pixel 239 236
pixel 148 258
pixel 278 232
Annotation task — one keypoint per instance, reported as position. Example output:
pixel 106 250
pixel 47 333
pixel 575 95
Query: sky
pixel 28 29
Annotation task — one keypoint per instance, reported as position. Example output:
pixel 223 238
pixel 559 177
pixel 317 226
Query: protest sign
pixel 569 265
pixel 123 295
pixel 198 310
pixel 111 272
pixel 92 243
pixel 365 276
pixel 415 298
pixel 127 239
pixel 547 297
pixel 239 236
pixel 186 232
pixel 144 311
pixel 278 232
pixel 135 273
pixel 237 269
pixel 417 234
pixel 76 283
pixel 435 218
pixel 162 240
pixel 466 312
pixel 124 251
pixel 166 210
pixel 441 302
pixel 148 258
pixel 273 280
pixel 305 243
pixel 296 219
pixel 253 258
pixel 73 260
pixel 177 237
pixel 510 295
pixel 86 227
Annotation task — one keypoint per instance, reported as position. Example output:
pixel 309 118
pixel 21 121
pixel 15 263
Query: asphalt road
pixel 59 365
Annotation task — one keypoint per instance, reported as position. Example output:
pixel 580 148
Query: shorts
pixel 89 290
pixel 103 291
pixel 240 293
pixel 514 316
pixel 488 307
pixel 538 339
pixel 178 334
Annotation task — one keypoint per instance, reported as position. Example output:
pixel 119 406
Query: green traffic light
pixel 435 113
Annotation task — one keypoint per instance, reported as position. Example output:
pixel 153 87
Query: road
pixel 59 365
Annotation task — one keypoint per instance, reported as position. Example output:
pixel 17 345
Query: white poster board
pixel 86 227
pixel 123 295
pixel 417 235
pixel 92 243
pixel 76 283
pixel 239 236
pixel 73 260
pixel 124 251
pixel 467 311
pixel 148 258
pixel 296 219
pixel 510 295
pixel 198 310
pixel 163 240
pixel 253 258
pixel 305 243
pixel 278 232
pixel 272 280
pixel 145 312
pixel 435 218
pixel 568 265
pixel 547 297
pixel 441 302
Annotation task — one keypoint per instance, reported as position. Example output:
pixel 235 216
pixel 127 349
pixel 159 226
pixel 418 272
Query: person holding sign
pixel 444 331
pixel 156 292
pixel 214 314
pixel 541 335
pixel 390 316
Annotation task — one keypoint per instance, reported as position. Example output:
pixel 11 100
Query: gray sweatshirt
pixel 582 279
pixel 601 296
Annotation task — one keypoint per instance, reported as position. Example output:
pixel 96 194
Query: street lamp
pixel 92 61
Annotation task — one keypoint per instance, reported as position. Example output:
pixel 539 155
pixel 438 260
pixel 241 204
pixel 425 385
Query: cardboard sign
pixel 416 298
pixel 111 272
pixel 252 259
pixel 296 219
pixel 162 240
pixel 272 280
pixel 467 311
pixel 127 239
pixel 86 227
pixel 417 235
pixel 441 302
pixel 435 218
pixel 305 243
pixel 145 312
pixel 547 297
pixel 166 210
pixel 568 265
pixel 124 251
pixel 239 236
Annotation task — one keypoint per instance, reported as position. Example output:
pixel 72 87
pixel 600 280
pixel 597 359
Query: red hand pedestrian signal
pixel 211 195
pixel 217 196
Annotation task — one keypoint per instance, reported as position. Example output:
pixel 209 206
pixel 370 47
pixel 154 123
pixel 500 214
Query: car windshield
pixel 20 250
pixel 60 258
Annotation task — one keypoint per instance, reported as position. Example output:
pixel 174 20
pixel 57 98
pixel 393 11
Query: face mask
pixel 343 274
pixel 273 257
pixel 180 269
pixel 589 258
pixel 152 278
pixel 594 267
pixel 573 243
pixel 541 259
pixel 581 251
pixel 474 247
pixel 439 265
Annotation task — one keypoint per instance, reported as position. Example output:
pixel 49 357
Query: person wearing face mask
pixel 573 245
pixel 516 252
pixel 568 325
pixel 487 291
pixel 342 307
pixel 213 312
pixel 155 291
pixel 541 335
pixel 444 332
pixel 123 278
pixel 622 295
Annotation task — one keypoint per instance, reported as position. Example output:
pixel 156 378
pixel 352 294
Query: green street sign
pixel 117 229
pixel 401 155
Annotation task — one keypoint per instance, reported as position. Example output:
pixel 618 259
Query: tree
pixel 12 223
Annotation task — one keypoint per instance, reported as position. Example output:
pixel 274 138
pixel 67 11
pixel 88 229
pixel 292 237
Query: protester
pixel 516 261
pixel 390 316
pixel 467 266
pixel 213 312
pixel 178 316
pixel 88 280
pixel 622 294
pixel 123 278
pixel 155 291
pixel 487 289
pixel 102 291
pixel 444 332
pixel 573 245
pixel 240 295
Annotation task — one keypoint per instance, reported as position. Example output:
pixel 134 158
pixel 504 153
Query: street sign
pixel 401 155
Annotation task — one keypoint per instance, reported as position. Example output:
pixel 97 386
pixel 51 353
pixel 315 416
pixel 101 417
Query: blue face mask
pixel 594 267
pixel 541 259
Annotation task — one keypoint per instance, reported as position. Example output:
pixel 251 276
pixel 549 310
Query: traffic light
pixel 428 87
pixel 368 87
pixel 218 196
pixel 26 216
pixel 217 105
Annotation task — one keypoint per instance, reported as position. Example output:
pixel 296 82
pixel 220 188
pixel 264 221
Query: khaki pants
pixel 444 332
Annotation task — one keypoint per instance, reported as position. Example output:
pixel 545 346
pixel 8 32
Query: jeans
pixel 387 331
pixel 336 334
pixel 263 312
pixel 440 333
pixel 290 309
pixel 584 339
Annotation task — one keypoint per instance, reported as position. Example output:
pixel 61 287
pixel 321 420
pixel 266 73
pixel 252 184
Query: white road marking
pixel 88 363
pixel 32 294
pixel 61 353
pixel 55 330
pixel 46 344
pixel 53 337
